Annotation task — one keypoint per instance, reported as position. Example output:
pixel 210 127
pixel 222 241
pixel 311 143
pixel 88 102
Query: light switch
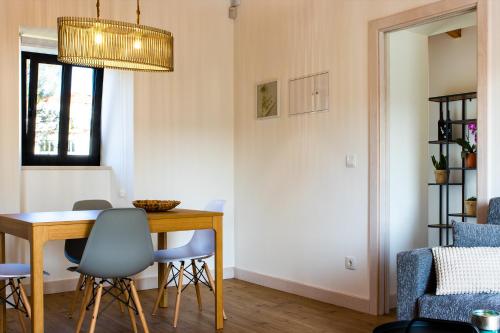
pixel 350 161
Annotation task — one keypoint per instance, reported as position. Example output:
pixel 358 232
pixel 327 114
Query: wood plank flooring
pixel 250 308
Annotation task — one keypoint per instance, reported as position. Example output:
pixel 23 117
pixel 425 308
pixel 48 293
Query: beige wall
pixel 183 121
pixel 294 196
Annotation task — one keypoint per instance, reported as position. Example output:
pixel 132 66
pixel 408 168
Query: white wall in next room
pixel 408 135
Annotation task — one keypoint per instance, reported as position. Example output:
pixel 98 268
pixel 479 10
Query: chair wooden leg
pixel 162 288
pixel 76 295
pixel 131 313
pixel 120 304
pixel 212 284
pixel 89 288
pixel 15 295
pixel 139 307
pixel 25 299
pixel 95 312
pixel 179 292
pixel 196 284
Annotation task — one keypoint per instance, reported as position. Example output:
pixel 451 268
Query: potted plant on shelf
pixel 470 206
pixel 469 149
pixel 441 171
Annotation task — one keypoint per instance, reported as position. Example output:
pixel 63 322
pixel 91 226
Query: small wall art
pixel 267 99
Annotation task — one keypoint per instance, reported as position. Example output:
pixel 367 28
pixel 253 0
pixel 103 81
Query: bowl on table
pixel 156 205
pixel 486 320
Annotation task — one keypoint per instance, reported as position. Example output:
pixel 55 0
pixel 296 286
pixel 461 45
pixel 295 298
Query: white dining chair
pixel 11 275
pixel 196 251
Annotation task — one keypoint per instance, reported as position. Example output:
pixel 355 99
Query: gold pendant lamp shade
pixel 101 43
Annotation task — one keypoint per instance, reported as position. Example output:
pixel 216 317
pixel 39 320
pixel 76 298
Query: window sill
pixel 63 167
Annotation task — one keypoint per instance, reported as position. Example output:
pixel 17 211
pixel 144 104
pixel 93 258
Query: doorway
pixel 380 139
pixel 431 78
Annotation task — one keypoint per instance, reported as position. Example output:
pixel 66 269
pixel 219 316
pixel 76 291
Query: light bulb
pixel 137 44
pixel 98 38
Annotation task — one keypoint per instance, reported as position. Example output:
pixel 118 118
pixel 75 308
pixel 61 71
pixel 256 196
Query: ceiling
pixel 448 24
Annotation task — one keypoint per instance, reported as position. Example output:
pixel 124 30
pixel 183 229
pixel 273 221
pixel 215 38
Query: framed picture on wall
pixel 267 99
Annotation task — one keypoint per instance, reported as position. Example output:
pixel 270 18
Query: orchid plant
pixel 469 145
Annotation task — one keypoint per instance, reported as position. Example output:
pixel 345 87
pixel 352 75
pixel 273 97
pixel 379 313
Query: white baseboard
pixel 229 273
pixel 323 295
pixel 142 283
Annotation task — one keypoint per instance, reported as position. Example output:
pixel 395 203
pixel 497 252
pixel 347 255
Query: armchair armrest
pixel 415 277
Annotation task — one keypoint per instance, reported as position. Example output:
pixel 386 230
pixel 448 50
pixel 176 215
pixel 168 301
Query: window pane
pixel 28 63
pixel 80 114
pixel 48 104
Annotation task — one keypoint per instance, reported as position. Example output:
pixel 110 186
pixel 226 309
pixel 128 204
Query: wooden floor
pixel 249 308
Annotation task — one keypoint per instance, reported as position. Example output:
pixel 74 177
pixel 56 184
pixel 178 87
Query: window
pixel 61 112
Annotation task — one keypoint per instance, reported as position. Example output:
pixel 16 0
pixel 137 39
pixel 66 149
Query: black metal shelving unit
pixel 444 225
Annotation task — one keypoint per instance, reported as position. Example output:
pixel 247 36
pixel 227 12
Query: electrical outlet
pixel 350 263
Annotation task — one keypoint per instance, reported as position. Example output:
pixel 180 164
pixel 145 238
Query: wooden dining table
pixel 41 227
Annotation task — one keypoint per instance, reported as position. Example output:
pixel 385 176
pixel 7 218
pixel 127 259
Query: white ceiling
pixel 448 24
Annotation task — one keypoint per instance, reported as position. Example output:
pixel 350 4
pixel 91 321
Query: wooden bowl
pixel 156 205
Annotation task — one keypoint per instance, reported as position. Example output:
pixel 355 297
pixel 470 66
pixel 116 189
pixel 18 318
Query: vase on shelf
pixel 470 207
pixel 470 160
pixel 441 176
pixel 444 131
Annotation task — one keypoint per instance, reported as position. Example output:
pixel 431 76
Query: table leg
pixel 162 244
pixel 37 242
pixel 219 302
pixel 3 318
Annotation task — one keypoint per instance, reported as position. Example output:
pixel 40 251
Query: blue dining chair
pixel 11 275
pixel 200 247
pixel 119 246
pixel 73 248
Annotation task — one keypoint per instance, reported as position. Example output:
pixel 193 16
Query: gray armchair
pixel 417 281
pixel 494 211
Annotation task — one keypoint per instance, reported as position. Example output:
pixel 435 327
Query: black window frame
pixel 29 158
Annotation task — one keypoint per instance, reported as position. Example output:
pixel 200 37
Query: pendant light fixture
pixel 95 42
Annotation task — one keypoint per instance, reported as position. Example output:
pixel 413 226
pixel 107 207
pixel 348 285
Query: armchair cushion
pixel 475 235
pixel 467 270
pixel 456 307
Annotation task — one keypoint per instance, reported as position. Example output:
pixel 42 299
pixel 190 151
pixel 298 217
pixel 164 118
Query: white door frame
pixel 378 247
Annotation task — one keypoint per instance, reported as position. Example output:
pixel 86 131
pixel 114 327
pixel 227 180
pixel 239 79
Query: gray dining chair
pixel 119 246
pixel 73 248
pixel 200 247
pixel 12 275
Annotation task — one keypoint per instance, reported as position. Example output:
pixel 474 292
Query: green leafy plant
pixel 441 165
pixel 472 199
pixel 466 145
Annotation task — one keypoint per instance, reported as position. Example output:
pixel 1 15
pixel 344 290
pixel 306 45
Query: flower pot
pixel 470 160
pixel 441 176
pixel 470 207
